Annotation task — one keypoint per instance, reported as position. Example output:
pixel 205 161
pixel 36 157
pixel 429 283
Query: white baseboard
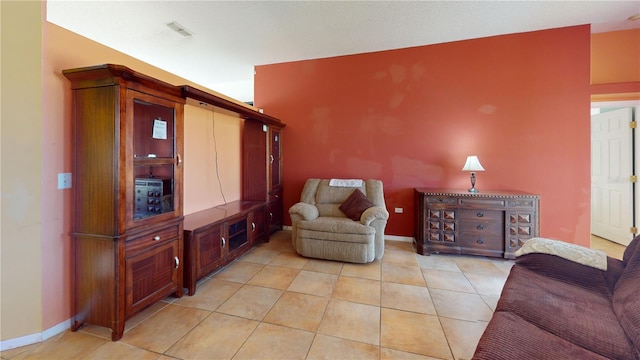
pixel 399 238
pixel 35 338
pixel 387 237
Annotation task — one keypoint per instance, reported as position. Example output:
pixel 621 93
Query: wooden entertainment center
pixel 129 230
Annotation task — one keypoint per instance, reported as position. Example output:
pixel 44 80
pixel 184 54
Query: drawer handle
pixel 270 216
pixel 480 227
pixel 480 214
pixel 156 238
pixel 480 241
pixel 223 241
pixel 177 261
pixel 271 158
pixel 253 226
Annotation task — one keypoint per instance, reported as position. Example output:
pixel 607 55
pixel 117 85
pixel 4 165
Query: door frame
pixel 635 104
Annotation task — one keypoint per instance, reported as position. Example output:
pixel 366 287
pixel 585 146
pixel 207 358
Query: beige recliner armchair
pixel 320 229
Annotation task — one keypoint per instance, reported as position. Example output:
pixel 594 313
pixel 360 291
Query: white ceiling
pixel 231 37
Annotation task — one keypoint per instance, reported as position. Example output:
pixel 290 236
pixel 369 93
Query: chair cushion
pixel 336 225
pixel 355 205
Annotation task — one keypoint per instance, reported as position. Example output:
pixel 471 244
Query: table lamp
pixel 473 165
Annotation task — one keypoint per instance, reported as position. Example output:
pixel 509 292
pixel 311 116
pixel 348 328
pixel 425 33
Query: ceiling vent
pixel 179 29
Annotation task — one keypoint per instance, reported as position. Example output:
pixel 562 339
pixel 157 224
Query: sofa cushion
pixel 574 273
pixel 580 316
pixel 355 205
pixel 626 297
pixel 509 337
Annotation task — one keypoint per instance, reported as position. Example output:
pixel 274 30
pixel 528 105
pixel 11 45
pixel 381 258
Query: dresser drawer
pixel 484 203
pixel 482 227
pixel 481 241
pixel 441 200
pixel 441 236
pixel 443 214
pixel 480 214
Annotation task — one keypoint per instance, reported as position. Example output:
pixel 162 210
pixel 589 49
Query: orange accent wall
pixel 615 57
pixel 411 116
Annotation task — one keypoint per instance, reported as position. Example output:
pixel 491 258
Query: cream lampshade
pixel 473 165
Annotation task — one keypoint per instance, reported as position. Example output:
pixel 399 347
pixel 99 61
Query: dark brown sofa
pixel 553 308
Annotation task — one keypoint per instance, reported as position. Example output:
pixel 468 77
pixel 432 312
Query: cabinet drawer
pixel 482 227
pixel 441 236
pixel 441 214
pixel 481 214
pixel 480 241
pixel 144 242
pixel 521 218
pixel 444 200
pixel 482 202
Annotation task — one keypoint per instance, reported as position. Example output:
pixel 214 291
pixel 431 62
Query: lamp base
pixel 473 183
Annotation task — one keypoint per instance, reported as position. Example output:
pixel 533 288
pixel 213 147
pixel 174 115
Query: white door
pixel 611 167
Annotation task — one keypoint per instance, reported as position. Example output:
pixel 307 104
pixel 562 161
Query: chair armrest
pixel 304 210
pixel 374 213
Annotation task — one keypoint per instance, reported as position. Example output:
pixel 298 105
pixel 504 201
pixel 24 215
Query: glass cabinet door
pixel 154 156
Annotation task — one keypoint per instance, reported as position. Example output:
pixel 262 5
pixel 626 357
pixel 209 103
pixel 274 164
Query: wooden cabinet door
pixel 153 160
pixel 274 210
pixel 274 157
pixel 255 161
pixel 151 275
pixel 258 225
pixel 209 250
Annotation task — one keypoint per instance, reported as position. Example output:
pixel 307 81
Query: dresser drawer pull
pixel 479 214
pixel 480 227
pixel 156 238
pixel 177 261
pixel 480 241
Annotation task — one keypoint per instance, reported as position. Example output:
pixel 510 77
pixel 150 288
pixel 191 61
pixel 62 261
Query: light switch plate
pixel 64 181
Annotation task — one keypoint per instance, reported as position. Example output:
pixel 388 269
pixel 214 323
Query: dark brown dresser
pixel 489 223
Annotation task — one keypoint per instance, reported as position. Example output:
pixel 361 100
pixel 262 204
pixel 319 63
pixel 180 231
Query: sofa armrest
pixel 304 211
pixel 374 213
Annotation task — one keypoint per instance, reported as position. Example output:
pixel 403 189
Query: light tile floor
pixel 273 304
